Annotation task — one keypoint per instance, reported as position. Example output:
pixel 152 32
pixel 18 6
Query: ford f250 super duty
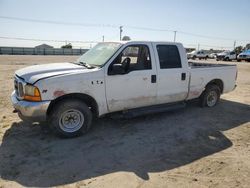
pixel 123 77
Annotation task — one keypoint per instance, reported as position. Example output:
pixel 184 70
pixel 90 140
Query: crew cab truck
pixel 226 56
pixel 117 77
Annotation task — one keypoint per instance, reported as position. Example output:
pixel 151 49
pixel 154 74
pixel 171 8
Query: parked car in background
pixel 212 55
pixel 244 56
pixel 197 54
pixel 226 56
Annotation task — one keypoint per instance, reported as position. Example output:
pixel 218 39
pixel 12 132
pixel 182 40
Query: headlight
pixel 31 93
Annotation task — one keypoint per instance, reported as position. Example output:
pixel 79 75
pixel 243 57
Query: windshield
pixel 99 54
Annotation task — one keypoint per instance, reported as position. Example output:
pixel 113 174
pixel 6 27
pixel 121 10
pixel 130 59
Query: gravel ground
pixel 191 147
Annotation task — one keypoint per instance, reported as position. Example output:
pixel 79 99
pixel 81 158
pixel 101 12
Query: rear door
pixel 173 78
pixel 137 86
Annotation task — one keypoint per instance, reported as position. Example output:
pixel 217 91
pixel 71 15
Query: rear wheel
pixel 211 96
pixel 70 118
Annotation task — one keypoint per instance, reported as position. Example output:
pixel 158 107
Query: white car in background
pixel 212 55
pixel 226 56
pixel 197 54
pixel 244 56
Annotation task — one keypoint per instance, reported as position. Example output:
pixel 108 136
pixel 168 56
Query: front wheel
pixel 70 118
pixel 211 96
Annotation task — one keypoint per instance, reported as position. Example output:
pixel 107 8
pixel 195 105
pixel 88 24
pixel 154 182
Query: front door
pixel 130 79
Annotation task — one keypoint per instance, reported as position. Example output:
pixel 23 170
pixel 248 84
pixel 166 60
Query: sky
pixel 210 24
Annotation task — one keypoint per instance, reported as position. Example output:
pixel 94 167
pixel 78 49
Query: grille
pixel 18 86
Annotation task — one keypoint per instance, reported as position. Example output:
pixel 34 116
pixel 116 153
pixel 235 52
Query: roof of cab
pixel 142 41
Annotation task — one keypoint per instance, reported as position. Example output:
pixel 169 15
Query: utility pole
pixel 121 32
pixel 103 38
pixel 198 47
pixel 175 35
pixel 234 45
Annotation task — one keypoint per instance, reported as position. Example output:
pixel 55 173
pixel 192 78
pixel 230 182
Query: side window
pixel 169 56
pixel 132 58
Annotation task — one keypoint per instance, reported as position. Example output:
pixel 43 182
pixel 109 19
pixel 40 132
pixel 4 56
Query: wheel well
pixel 88 100
pixel 217 82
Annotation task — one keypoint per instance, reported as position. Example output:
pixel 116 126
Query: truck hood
pixel 34 73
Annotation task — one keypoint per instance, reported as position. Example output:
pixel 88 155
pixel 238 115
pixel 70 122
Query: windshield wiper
pixel 88 66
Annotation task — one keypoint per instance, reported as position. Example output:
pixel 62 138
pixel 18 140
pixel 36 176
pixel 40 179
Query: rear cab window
pixel 169 56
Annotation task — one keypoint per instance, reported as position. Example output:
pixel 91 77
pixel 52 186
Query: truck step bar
pixel 148 110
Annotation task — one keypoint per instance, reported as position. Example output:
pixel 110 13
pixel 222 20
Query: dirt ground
pixel 191 147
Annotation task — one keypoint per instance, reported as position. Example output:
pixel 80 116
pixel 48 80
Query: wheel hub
pixel 212 98
pixel 71 120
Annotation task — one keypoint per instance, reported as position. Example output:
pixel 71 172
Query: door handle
pixel 183 76
pixel 153 78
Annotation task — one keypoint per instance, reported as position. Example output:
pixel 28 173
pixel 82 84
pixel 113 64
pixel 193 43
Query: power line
pixel 47 40
pixel 205 36
pixel 118 26
pixel 207 45
pixel 58 22
pixel 89 42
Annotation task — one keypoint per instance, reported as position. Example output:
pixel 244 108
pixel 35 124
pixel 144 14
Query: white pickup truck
pixel 124 77
pixel 226 56
pixel 200 54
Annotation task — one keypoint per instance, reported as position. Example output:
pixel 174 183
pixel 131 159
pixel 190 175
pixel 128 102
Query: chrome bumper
pixel 31 111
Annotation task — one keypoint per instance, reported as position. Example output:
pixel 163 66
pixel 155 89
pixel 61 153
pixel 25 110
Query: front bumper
pixel 220 57
pixel 31 111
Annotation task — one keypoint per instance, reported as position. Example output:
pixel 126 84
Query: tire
pixel 211 96
pixel 70 118
pixel 227 59
pixel 238 60
pixel 194 57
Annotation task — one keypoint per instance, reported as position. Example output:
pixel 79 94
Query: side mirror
pixel 117 69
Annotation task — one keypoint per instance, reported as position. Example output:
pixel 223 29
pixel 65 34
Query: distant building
pixel 44 46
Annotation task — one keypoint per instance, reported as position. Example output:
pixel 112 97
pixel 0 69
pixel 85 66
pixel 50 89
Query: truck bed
pixel 203 73
pixel 206 65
